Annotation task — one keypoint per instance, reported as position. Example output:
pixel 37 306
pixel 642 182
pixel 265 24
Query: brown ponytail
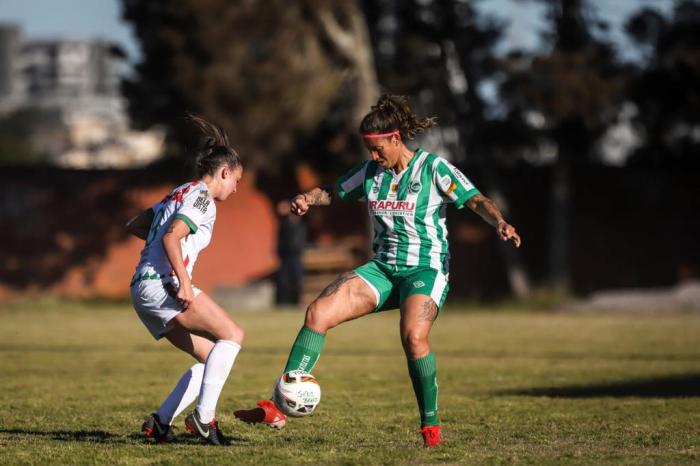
pixel 214 149
pixel 393 113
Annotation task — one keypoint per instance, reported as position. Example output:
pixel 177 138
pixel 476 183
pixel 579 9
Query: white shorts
pixel 155 306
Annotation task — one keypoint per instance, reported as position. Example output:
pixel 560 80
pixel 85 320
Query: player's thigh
pixel 424 281
pixel 422 293
pixel 418 313
pixel 203 315
pixel 346 298
pixel 195 345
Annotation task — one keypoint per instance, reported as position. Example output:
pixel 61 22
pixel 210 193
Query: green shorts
pixel 392 284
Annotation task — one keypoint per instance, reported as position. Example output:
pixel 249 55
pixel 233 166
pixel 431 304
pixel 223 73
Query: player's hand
pixel 185 294
pixel 299 206
pixel 507 232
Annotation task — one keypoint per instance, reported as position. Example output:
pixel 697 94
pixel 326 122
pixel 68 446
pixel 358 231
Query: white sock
pixel 184 393
pixel 216 370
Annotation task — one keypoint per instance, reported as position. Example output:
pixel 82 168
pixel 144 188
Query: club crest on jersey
pixel 398 208
pixel 414 187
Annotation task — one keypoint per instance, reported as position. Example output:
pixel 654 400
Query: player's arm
pixel 318 196
pixel 177 230
pixel 141 224
pixel 487 210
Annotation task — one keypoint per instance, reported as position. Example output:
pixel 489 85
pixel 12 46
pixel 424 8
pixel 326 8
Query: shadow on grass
pixel 99 436
pixel 91 436
pixel 680 386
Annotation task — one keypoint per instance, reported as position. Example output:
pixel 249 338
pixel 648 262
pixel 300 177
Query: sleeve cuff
pixel 461 200
pixel 189 223
pixel 348 196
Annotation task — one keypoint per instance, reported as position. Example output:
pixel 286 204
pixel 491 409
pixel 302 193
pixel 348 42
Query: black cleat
pixel 209 433
pixel 161 432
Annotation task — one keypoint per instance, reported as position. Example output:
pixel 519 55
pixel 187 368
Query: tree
pixel 30 137
pixel 270 74
pixel 567 97
pixel 665 86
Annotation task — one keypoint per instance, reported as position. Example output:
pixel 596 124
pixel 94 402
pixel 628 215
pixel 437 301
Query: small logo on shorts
pixel 418 284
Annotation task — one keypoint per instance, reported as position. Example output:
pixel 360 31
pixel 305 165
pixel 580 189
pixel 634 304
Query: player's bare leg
pixel 346 298
pixel 418 312
pixel 203 316
pixel 158 424
pixel 195 345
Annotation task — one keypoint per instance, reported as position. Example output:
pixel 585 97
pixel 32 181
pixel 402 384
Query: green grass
pixel 77 379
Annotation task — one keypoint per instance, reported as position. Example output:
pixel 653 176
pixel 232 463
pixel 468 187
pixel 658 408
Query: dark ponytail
pixel 392 113
pixel 214 149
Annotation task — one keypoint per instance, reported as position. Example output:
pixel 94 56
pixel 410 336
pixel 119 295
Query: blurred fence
pixel 62 231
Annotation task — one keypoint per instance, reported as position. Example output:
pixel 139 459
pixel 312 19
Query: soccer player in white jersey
pixel 406 192
pixel 175 231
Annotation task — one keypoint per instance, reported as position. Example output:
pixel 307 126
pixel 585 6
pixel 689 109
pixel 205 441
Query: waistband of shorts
pixel 145 276
pixel 394 268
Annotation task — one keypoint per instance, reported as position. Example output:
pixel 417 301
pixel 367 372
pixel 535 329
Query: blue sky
pixel 70 19
pixel 79 19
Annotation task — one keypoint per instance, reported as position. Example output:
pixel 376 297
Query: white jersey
pixel 190 203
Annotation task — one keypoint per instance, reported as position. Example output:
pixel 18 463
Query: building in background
pixel 75 76
pixel 75 85
pixel 10 78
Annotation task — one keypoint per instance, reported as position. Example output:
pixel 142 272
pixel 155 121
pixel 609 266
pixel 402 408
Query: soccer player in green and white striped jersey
pixel 406 192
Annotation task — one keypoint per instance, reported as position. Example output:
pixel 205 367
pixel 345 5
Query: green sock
pixel 305 351
pixel 423 372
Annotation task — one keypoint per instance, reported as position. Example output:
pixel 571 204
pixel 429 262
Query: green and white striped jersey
pixel 408 209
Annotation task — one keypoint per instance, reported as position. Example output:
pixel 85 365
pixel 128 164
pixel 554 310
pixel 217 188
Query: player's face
pixel 384 151
pixel 230 178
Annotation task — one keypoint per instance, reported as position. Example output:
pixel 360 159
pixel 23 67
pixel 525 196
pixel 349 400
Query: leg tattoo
pixel 335 284
pixel 429 312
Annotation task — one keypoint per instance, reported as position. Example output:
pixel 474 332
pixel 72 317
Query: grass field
pixel 78 379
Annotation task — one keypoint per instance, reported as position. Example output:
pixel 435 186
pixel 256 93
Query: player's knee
pixel 237 334
pixel 233 333
pixel 415 344
pixel 315 318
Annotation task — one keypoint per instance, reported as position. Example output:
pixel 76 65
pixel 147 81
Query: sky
pixel 89 19
pixel 526 20
pixel 71 19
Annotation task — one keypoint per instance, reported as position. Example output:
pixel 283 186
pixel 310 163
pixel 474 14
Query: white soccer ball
pixel 297 393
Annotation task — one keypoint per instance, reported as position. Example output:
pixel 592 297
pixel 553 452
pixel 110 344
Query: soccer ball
pixel 297 393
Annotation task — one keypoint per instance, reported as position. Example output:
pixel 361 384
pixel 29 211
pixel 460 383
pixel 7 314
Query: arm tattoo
pixel 336 284
pixel 486 209
pixel 319 196
pixel 429 311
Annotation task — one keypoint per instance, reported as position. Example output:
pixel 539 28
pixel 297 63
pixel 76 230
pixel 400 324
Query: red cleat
pixel 266 412
pixel 432 436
